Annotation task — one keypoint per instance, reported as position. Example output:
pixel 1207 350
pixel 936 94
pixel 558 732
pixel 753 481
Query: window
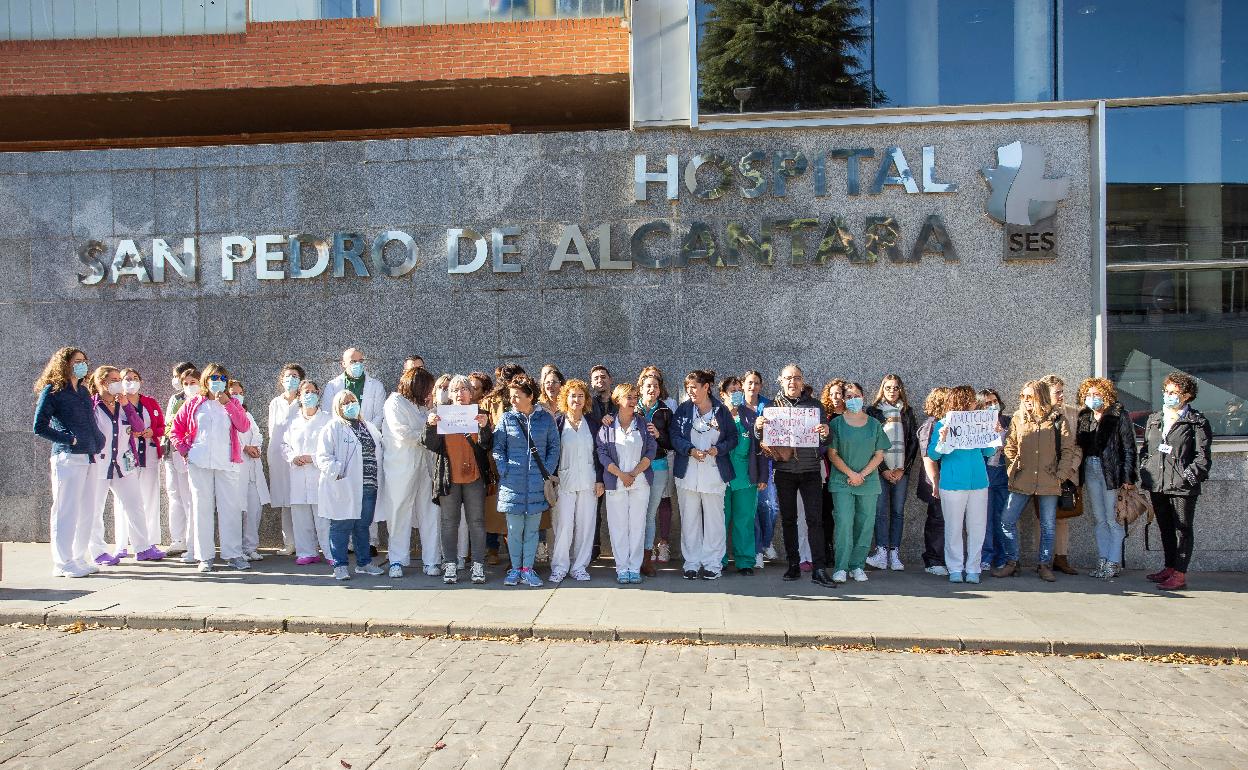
pixel 1177 207
pixel 308 10
pixel 395 13
pixel 70 19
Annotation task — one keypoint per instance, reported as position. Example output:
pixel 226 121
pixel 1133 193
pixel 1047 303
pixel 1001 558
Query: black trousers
pixel 810 486
pixel 1174 520
pixel 829 526
pixel 934 536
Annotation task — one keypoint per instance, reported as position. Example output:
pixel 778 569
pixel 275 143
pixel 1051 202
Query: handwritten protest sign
pixel 972 430
pixel 457 418
pixel 790 426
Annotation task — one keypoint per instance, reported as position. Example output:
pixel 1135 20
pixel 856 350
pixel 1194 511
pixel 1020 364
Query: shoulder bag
pixel 550 484
pixel 1069 502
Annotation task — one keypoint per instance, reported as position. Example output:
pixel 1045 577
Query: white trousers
pixel 311 531
pixel 576 514
pixel 127 505
pixel 412 508
pixel 702 536
pixel 73 504
pixel 803 533
pixel 214 496
pixel 964 510
pixel 626 523
pixel 148 482
pixel 428 519
pixel 251 518
pixel 178 488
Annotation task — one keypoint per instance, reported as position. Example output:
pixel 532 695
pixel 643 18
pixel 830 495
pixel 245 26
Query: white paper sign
pixel 791 426
pixel 457 418
pixel 972 430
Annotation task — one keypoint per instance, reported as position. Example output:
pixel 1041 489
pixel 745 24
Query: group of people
pixel 548 458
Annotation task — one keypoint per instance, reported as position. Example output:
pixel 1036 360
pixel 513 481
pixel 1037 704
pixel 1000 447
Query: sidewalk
pixel 1077 614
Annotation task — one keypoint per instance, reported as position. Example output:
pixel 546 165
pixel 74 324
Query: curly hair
pixel 561 402
pixel 825 396
pixel 1103 386
pixel 1184 382
pixel 934 404
pixel 57 371
pixel 960 399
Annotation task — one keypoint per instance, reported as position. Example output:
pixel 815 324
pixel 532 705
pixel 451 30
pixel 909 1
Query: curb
pixel 226 622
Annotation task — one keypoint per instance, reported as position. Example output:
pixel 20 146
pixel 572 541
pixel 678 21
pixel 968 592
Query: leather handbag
pixel 550 484
pixel 1132 504
pixel 1069 502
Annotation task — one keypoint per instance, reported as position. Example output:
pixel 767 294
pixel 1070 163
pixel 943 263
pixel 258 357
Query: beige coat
pixel 1031 455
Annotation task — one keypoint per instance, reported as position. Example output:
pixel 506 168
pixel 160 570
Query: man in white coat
pixel 370 391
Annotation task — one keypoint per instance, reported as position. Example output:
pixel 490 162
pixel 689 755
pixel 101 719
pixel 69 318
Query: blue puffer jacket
pixel 520 483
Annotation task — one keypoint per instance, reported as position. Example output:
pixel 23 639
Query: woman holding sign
pixel 963 482
pixel 856 447
pixel 1040 452
pixel 461 473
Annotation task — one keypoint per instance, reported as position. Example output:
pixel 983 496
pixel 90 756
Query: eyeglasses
pixel 217 378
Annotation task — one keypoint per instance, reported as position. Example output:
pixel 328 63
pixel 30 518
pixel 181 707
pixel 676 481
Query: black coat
pixel 1112 439
pixel 909 431
pixel 1186 467
pixel 662 422
pixel 436 443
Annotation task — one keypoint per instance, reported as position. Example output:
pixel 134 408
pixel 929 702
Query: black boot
pixel 792 573
pixel 822 577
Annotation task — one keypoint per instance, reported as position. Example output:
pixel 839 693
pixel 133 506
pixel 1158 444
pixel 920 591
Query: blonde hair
pixel 340 399
pixel 209 371
pixel 623 391
pixel 934 404
pixel 1107 389
pixel 903 398
pixel 95 380
pixel 561 401
pixel 1042 397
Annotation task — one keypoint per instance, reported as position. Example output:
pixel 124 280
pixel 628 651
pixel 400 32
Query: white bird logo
pixel 1021 194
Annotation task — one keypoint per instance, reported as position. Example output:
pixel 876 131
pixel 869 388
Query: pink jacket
pixel 185 426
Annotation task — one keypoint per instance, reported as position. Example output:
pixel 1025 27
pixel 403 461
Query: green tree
pixel 797 54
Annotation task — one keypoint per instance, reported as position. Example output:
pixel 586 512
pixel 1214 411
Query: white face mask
pixel 191 390
pixel 114 388
pixel 130 387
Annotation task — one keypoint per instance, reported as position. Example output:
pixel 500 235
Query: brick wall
pixel 340 51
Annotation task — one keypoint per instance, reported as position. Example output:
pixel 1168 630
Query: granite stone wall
pixel 976 319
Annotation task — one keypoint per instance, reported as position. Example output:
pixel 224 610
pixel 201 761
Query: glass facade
pixel 395 13
pixel 308 10
pixel 76 19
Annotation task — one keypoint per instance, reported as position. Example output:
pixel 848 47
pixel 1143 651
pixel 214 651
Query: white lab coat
pixel 339 454
pixel 372 404
pixel 252 471
pixel 301 439
pixel 409 466
pixel 281 412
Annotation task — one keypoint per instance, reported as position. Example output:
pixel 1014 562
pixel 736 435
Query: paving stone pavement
pixel 183 699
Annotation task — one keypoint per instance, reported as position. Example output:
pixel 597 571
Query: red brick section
pixel 307 53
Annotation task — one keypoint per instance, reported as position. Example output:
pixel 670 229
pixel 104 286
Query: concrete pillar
pixel 1202 69
pixel 1033 50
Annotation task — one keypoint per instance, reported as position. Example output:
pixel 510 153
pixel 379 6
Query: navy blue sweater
pixel 67 414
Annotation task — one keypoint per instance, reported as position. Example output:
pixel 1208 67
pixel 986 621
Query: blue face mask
pixel 309 400
pixel 1170 400
pixel 80 370
pixel 854 404
pixel 356 370
pixel 993 407
pixel 1095 403
pixel 290 383
pixel 240 399
pixel 737 398
pixel 216 386
pixel 351 410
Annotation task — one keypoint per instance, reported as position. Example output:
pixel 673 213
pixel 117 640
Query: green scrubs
pixel 740 503
pixel 853 508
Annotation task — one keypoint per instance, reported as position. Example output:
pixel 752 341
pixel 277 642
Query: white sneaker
pixel 478 572
pixel 205 566
pixel 239 562
pixel 450 573
pixel 287 550
pixel 858 575
pixel 176 547
pixel 187 558
pixel 665 555
pixel 878 560
pixel 758 561
pixel 580 574
pixel 770 553
pixel 838 576
pixel 543 554
pixel 937 570
pixel 370 569
pixel 433 570
pixel 396 570
pixel 557 576
pixel 342 573
pixel 74 571
pixel 255 556
pixel 894 560
pixel 90 566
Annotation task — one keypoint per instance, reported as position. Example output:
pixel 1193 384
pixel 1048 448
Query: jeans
pixel 522 531
pixel 1109 533
pixel 656 506
pixel 765 520
pixel 810 486
pixel 342 530
pixel 998 492
pixel 1174 520
pixel 855 520
pixel 471 499
pixel 890 512
pixel 1048 524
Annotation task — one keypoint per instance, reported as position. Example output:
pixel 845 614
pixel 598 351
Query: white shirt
pixel 629 444
pixel 211 449
pixel 703 476
pixel 576 457
pixel 105 424
pixel 300 440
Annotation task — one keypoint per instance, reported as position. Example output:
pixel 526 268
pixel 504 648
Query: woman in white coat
pixel 282 409
pixel 253 489
pixel 349 456
pixel 298 447
pixel 407 499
